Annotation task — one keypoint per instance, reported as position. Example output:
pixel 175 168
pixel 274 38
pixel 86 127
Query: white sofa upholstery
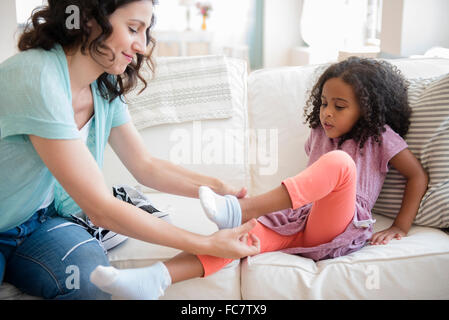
pixel 412 268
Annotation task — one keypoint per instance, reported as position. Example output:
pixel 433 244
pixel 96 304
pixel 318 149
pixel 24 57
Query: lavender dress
pixel 372 166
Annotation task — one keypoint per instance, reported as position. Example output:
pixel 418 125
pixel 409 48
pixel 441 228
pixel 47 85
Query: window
pixel 341 23
pixel 373 22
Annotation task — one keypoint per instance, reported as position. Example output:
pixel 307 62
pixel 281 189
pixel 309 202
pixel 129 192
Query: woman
pixel 62 91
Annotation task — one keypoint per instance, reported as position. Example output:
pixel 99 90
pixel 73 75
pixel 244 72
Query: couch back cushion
pixel 276 98
pixel 211 144
pixel 428 139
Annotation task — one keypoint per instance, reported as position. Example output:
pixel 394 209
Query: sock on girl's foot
pixel 137 284
pixel 225 211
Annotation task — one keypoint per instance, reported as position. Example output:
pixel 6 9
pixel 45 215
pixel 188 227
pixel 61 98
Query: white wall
pixel 426 24
pixel 281 31
pixel 8 26
pixel 391 30
pixel 411 27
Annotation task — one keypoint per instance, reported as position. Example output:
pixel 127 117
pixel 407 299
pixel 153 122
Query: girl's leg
pixel 272 201
pixel 330 183
pixel 332 176
pixel 317 181
pixel 269 241
pixel 184 266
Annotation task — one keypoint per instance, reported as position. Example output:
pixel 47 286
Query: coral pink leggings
pixel 330 184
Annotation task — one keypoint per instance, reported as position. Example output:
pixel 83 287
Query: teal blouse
pixel 35 99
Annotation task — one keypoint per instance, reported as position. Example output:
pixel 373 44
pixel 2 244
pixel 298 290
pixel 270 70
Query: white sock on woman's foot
pixel 137 284
pixel 225 211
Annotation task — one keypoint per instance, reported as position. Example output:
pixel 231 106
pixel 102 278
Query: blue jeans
pixel 51 257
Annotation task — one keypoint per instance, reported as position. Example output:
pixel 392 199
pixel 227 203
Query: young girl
pixel 359 114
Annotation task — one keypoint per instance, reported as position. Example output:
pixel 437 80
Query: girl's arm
pixel 73 166
pixel 407 164
pixel 157 173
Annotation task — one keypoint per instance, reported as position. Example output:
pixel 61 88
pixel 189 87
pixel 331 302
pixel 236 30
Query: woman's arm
pixel 160 174
pixel 417 179
pixel 73 166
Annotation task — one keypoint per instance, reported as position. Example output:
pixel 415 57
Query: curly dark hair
pixel 47 26
pixel 381 91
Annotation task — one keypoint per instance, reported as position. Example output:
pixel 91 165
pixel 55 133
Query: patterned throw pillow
pixel 188 89
pixel 428 139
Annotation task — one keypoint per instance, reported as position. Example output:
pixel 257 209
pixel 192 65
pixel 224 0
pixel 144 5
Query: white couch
pixel 415 267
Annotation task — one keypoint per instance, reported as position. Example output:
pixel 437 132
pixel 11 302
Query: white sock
pixel 147 283
pixel 225 211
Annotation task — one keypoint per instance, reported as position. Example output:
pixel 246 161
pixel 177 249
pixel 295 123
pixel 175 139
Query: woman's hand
pixel 383 237
pixel 225 189
pixel 235 243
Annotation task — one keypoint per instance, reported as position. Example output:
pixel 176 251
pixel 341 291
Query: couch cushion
pixel 213 147
pixel 428 140
pixel 187 214
pixel 275 105
pixel 414 267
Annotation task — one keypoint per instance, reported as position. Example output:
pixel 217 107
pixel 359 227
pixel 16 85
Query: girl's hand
pixel 233 243
pixel 383 237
